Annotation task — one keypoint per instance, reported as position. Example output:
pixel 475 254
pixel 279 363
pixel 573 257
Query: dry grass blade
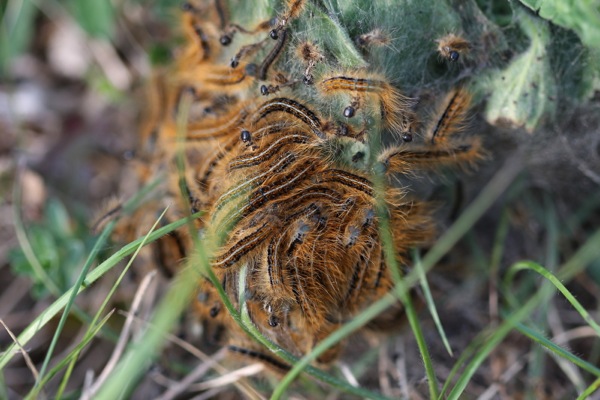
pixel 192 377
pixel 123 338
pixel 576 333
pixel 384 365
pixel 244 387
pixel 401 370
pixel 28 360
pixel 173 339
pixel 508 374
pixel 347 372
pixel 210 394
pixel 229 378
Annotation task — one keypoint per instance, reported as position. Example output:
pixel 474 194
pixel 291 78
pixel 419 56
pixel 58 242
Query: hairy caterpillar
pixel 287 182
pixel 371 91
pixel 451 46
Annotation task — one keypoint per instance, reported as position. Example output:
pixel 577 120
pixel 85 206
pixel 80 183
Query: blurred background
pixel 71 78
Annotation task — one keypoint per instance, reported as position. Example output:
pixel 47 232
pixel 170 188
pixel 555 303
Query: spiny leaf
pixel 582 16
pixel 525 91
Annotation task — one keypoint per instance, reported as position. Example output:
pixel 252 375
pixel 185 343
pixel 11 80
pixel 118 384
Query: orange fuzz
pixel 287 180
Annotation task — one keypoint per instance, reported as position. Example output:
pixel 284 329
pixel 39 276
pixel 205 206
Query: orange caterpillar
pixel 200 33
pixel 451 46
pixel 367 89
pixel 295 215
pixel 218 78
pixel 293 10
pixel 442 148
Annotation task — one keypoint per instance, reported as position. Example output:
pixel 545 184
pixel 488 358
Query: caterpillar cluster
pixel 283 166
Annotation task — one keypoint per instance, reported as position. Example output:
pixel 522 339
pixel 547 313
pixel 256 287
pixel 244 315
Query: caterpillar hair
pixel 451 46
pixel 294 8
pixel 376 37
pixel 223 126
pixel 452 117
pixel 400 160
pixel 219 78
pixel 395 108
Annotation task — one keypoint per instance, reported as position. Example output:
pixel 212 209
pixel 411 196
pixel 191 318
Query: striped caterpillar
pixel 299 218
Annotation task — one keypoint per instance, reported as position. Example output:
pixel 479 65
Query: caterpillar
pixel 368 89
pixel 452 46
pixel 268 173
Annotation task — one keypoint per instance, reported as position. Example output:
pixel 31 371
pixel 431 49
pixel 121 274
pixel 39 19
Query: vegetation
pixel 518 234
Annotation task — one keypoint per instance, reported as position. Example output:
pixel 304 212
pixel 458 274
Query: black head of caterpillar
pixel 451 47
pixel 374 94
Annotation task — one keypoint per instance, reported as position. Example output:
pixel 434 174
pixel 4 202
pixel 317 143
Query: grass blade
pixel 93 276
pixel 63 319
pixel 89 336
pixel 556 349
pixel 587 393
pixel 584 255
pixel 490 343
pixel 114 288
pixel 530 265
pixel 430 303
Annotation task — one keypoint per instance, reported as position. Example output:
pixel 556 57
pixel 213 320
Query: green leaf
pixel 96 17
pixel 582 16
pixel 524 92
pixel 19 264
pixel 45 247
pixel 73 255
pixel 58 219
pixel 47 253
pixel 16 29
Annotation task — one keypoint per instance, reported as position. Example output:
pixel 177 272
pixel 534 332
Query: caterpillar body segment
pixel 451 118
pixel 219 78
pixel 411 161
